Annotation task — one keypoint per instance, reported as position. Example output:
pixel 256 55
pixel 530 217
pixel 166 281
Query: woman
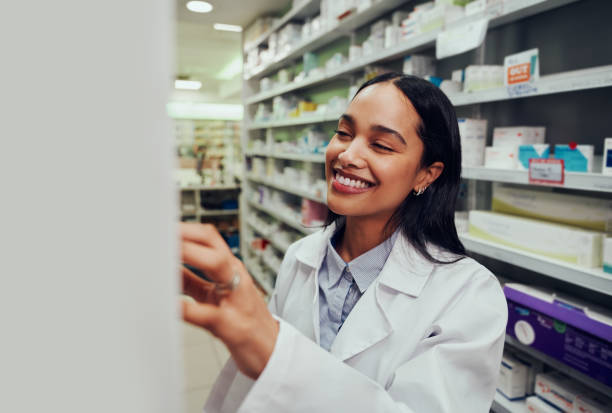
pixel 379 312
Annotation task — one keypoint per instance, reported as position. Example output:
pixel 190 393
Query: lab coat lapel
pixel 311 253
pixel 402 277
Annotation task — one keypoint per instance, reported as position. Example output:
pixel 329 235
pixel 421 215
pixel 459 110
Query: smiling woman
pixel 381 311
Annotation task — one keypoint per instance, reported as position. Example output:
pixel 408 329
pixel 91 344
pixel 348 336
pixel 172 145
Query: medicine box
pixel 532 151
pixel 473 134
pixel 581 211
pixel 574 332
pixel 592 403
pixel 500 157
pixel 534 367
pixel 512 380
pixel 606 167
pixel 557 389
pixel 573 245
pixel 578 158
pixel 518 135
pixel 607 255
pixel 536 405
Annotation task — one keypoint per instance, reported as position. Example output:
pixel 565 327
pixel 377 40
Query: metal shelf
pixel 217 212
pixel 591 78
pixel 258 277
pixel 280 247
pixel 301 120
pixel 503 405
pixel 317 158
pixel 343 28
pixel 573 180
pixel 305 9
pixel 514 11
pixel 591 278
pixel 288 189
pixel 209 188
pixel 286 220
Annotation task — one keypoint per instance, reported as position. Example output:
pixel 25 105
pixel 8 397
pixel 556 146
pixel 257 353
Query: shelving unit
pixel 564 84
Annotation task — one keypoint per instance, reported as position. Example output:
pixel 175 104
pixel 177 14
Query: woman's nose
pixel 352 155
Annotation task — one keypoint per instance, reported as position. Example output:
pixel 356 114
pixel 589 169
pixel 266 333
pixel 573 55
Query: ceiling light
pixel 227 27
pixel 187 84
pixel 199 6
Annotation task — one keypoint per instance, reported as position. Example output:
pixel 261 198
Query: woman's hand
pixel 240 318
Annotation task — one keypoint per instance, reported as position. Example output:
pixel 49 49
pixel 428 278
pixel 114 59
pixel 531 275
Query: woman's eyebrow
pixel 384 129
pixel 347 118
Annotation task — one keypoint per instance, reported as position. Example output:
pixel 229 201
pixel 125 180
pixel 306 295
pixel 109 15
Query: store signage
pixel 546 171
pixel 521 71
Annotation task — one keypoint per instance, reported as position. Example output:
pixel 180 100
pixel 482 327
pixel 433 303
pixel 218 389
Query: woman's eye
pixel 341 133
pixel 383 147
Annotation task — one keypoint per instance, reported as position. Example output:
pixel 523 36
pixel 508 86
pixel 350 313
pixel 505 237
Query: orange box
pixel 519 73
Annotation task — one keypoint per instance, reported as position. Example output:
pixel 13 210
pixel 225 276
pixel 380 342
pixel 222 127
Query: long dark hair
pixel 430 217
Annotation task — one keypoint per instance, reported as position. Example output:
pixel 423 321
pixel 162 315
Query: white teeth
pixel 351 182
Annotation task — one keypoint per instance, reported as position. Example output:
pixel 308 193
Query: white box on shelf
pixel 536 405
pixel 521 67
pixel 607 255
pixel 573 245
pixel 606 167
pixel 473 134
pixel 531 151
pixel 576 158
pixel 518 135
pixel 534 367
pixel 558 389
pixel 581 211
pixel 592 402
pixel 500 157
pixel 419 65
pixel 512 380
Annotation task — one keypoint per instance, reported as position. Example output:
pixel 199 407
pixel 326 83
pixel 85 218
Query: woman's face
pixel 373 160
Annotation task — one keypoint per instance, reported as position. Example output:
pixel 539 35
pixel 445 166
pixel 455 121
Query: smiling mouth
pixel 352 182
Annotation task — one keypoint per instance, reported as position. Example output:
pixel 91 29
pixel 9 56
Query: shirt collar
pixel 365 268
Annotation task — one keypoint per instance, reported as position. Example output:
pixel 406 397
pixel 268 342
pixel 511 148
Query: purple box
pixel 562 329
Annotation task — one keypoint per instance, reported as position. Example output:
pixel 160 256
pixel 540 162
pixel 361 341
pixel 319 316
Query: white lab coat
pixel 423 338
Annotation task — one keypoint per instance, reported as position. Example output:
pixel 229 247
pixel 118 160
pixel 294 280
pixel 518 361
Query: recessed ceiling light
pixel 187 84
pixel 227 27
pixel 199 6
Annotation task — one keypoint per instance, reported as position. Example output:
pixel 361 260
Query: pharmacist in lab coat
pixel 380 311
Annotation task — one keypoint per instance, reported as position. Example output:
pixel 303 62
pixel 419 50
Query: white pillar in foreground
pixel 88 287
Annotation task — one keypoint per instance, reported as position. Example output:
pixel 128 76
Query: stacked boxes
pixel 561 242
pixel 473 134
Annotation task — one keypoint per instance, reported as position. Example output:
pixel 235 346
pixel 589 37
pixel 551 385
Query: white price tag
pixel 461 38
pixel 546 171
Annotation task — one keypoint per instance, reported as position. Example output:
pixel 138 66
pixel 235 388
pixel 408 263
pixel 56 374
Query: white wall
pixel 88 307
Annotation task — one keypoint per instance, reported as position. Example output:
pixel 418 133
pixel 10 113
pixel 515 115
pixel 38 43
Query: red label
pixel 546 171
pixel 519 73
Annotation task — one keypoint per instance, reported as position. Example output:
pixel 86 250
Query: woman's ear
pixel 428 175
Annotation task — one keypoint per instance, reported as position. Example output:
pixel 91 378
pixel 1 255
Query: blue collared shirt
pixel 341 284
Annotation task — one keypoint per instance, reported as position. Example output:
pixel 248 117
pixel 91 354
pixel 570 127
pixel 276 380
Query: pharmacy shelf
pixel 292 190
pixel 557 365
pixel 209 188
pixel 497 16
pixel 282 218
pixel 260 255
pixel 328 35
pixel 258 277
pixel 300 120
pixel 503 405
pixel 590 278
pixel 573 180
pixel 282 247
pixel 216 212
pixel 315 157
pixel 591 78
pixel 301 11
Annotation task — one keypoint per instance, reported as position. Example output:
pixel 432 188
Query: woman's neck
pixel 361 234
